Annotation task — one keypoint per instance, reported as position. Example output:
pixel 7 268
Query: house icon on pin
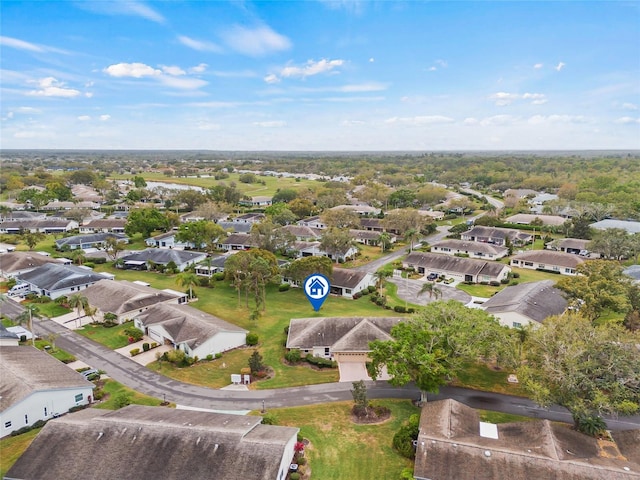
pixel 316 288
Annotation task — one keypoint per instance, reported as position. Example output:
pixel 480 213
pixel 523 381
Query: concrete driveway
pixel 408 291
pixel 143 358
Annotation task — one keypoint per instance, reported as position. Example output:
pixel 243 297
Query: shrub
pixel 371 289
pixel 218 355
pixel 320 362
pixel 255 362
pixel 209 357
pixel 269 419
pixel 154 344
pixel 284 287
pixel 515 274
pixel 134 351
pixel 294 476
pixel 134 333
pixel 403 439
pixel 252 339
pixel 493 283
pixel 89 264
pixel 411 310
pixel 513 282
pixel 504 281
pixel 357 295
pixel 146 347
pixel 292 356
pixel 399 309
pixel 218 277
pixel 122 400
pixel 301 461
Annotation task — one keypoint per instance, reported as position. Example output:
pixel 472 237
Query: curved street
pixel 141 379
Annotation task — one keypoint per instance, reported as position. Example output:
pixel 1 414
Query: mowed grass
pixel 342 450
pixel 114 389
pixel 112 338
pixel 11 448
pixel 479 376
pixel 526 276
pixel 499 417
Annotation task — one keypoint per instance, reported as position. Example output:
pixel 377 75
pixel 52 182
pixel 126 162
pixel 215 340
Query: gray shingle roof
pixel 53 276
pixel 163 256
pixel 472 247
pixel 450 447
pixel 459 265
pixel 302 231
pixel 90 238
pixel 549 257
pixel 120 297
pixel 26 370
pixel 348 334
pixel 186 324
pixel 17 261
pixel 630 227
pixel 343 277
pixel 153 442
pixel 536 300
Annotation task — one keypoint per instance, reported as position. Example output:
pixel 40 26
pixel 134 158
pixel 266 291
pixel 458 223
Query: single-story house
pixel 236 241
pixel 526 303
pixel 560 262
pixel 520 193
pixel 128 299
pixel 362 210
pixel 35 226
pixel 168 240
pixel 258 201
pixel 55 280
pixel 86 193
pixel 36 386
pixel 211 265
pixel 368 237
pixel 249 218
pixel 13 215
pixel 193 331
pixel 462 269
pixel 138 441
pixel 346 283
pixel 372 224
pixel 104 225
pixel 473 249
pixel 313 222
pixel 162 256
pixel 13 264
pixel 8 338
pixel 630 226
pixel 92 240
pixel 577 246
pixel 306 249
pixel 236 227
pixel 433 214
pixel 66 205
pixel 527 218
pixel 11 309
pixel 496 235
pixel 345 340
pixel 453 443
pixel 302 232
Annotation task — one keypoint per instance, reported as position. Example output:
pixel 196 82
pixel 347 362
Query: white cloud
pixel 122 7
pixel 309 69
pixel 20 44
pixel 271 124
pixel 255 42
pixel 498 120
pixel 371 60
pixel 104 118
pixel 420 120
pixel 28 110
pixel 538 66
pixel 560 66
pixel 172 70
pixel 471 121
pixel 199 45
pixel 629 106
pixel 351 123
pixel 502 99
pixel 84 118
pixel 363 87
pixel 200 68
pixel 184 83
pixel 135 70
pixel 627 120
pixel 50 87
pixel 557 119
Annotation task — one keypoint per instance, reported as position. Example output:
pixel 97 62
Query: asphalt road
pixel 137 377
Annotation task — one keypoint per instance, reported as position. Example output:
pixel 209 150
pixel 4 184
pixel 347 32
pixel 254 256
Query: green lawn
pixel 478 376
pixel 58 353
pixel 526 276
pixel 342 450
pixel 49 309
pixel 112 338
pixel 12 447
pixel 113 389
pixel 499 417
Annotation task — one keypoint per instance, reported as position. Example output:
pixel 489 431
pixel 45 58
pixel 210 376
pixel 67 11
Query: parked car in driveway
pixel 432 277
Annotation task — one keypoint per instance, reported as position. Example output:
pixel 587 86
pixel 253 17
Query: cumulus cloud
pixel 538 66
pixel 560 66
pixel 200 68
pixel 135 70
pixel 199 45
pixel 371 60
pixel 557 119
pixel 184 83
pixel 502 99
pixel 28 110
pixel 271 124
pixel 104 118
pixel 420 120
pixel 255 42
pixel 84 118
pixel 309 69
pixel 438 64
pixel 172 70
pixel 50 87
pixel 629 106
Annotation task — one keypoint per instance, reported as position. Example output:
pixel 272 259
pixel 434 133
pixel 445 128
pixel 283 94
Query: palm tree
pixel 384 240
pixel 31 312
pixel 78 256
pixel 431 289
pixel 187 279
pixel 80 303
pixel 380 275
pixel 411 236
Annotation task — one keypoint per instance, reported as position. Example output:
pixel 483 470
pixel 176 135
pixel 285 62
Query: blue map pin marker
pixel 316 287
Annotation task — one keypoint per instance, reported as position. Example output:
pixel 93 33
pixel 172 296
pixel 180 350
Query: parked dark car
pixel 432 276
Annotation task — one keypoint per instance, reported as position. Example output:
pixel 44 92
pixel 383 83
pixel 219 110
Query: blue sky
pixel 320 75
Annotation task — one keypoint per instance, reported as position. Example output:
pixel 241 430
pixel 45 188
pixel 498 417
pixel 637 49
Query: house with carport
pixel 56 280
pixel 36 386
pixel 169 240
pixel 547 260
pixel 576 246
pixel 193 331
pixel 161 443
pixel 526 304
pixel 460 269
pixel 91 240
pixel 342 339
pixel 104 225
pixel 161 256
pixel 479 250
pixel 496 236
pixel 346 282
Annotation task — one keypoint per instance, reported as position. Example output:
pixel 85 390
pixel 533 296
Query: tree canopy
pixel 587 369
pixel 145 221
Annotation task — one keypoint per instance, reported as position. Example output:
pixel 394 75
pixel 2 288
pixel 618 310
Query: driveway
pixel 143 358
pixel 408 291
